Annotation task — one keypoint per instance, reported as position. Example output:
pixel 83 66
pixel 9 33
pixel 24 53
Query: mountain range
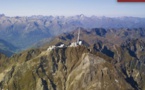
pixel 24 32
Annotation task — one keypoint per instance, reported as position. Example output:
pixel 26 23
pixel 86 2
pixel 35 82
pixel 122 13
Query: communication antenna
pixel 78 36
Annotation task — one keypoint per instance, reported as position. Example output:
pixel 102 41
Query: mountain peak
pixel 82 15
pixel 2 15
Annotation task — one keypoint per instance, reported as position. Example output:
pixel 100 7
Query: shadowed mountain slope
pixel 7 48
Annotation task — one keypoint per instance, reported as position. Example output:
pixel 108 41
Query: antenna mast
pixel 78 36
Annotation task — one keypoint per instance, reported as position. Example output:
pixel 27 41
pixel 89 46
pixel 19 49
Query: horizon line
pixel 2 14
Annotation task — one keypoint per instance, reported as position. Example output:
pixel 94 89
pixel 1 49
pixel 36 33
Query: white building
pixel 61 46
pixel 51 48
pixel 73 44
pixel 80 43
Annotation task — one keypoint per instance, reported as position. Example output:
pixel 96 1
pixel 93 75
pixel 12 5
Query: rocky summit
pixel 76 68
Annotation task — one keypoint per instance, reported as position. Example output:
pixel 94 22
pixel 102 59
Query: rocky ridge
pixel 76 68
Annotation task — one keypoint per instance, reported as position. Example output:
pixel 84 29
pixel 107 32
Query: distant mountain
pixel 23 32
pixel 7 48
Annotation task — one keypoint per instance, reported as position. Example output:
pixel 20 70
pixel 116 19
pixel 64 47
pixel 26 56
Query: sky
pixel 110 8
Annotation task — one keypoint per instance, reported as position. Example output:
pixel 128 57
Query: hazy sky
pixel 71 7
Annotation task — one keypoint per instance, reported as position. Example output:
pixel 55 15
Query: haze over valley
pixel 27 32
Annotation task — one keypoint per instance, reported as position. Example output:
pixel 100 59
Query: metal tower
pixel 78 36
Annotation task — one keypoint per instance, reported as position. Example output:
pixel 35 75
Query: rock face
pixel 95 73
pixel 72 68
pixel 99 31
pixel 130 57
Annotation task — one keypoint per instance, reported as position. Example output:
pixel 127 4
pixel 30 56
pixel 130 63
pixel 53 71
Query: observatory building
pixel 73 44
